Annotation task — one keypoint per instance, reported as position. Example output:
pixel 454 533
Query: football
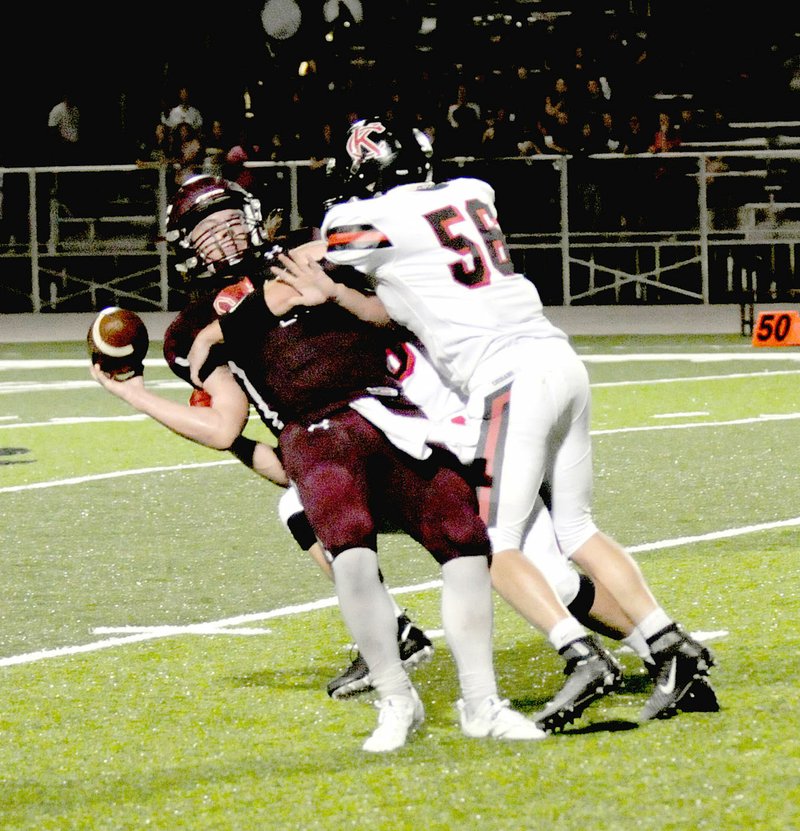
pixel 118 341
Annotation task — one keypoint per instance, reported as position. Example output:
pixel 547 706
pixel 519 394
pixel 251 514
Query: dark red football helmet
pixel 198 198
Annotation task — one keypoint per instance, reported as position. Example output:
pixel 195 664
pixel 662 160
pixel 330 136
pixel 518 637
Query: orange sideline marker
pixel 777 329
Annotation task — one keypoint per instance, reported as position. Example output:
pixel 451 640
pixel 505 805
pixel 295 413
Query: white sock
pixel 368 613
pixel 638 644
pixel 564 632
pixel 468 617
pixel 657 620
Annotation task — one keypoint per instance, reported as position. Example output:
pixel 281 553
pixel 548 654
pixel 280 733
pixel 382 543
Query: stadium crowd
pixel 486 84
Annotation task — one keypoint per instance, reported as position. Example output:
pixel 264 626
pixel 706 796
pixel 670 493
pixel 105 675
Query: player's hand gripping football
pixel 124 389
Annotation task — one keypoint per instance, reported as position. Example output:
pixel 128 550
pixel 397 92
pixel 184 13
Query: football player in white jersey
pixel 590 602
pixel 438 262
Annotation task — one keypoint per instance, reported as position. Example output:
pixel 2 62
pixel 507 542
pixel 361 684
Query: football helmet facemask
pixel 377 158
pixel 232 240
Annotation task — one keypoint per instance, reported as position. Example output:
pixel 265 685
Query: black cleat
pixel 592 672
pixel 353 680
pixel 415 646
pixel 415 649
pixel 699 698
pixel 680 673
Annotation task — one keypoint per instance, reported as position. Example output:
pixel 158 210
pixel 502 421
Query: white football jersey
pixel 439 261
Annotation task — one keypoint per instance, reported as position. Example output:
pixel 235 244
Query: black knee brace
pixel 583 602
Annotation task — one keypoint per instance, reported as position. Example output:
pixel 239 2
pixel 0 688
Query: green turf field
pixel 164 647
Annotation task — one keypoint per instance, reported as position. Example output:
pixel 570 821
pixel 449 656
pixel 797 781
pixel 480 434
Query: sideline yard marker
pixel 777 329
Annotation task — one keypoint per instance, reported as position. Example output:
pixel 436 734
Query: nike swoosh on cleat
pixel 669 687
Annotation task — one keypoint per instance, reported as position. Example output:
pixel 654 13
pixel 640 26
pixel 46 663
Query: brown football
pixel 118 341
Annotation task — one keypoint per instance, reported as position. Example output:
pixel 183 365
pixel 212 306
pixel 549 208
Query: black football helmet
pixel 197 198
pixel 378 157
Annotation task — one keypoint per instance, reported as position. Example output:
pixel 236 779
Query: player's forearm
pixel 365 307
pixel 203 425
pixel 267 464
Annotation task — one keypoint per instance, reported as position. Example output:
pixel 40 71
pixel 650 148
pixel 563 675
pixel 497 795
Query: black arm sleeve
pixel 244 449
pixel 301 530
pixel 252 314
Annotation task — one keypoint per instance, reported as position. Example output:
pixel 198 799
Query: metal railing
pixel 699 226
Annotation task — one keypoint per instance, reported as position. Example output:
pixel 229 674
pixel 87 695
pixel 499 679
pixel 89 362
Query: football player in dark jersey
pixel 415 646
pixel 224 294
pixel 301 370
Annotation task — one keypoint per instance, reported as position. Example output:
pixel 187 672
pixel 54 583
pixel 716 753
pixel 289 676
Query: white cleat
pixel 495 719
pixel 399 716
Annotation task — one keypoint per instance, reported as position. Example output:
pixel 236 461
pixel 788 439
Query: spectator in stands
pixel 189 152
pixel 561 137
pixel 521 96
pixel 634 138
pixel 584 177
pixel 163 113
pixel 609 138
pixel 184 112
pixel 593 102
pixel 158 149
pixel 464 125
pixel 580 68
pixel 501 137
pixel 632 200
pixel 688 126
pixel 667 176
pixel 556 100
pixel 216 146
pixel 245 149
pixel 717 126
pixel 666 138
pixel 275 151
pixel 64 134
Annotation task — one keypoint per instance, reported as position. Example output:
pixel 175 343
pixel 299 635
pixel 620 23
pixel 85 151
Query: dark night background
pixel 121 61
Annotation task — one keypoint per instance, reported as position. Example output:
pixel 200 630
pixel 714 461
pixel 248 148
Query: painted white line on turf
pixel 117 474
pixel 714 535
pixel 680 415
pixel 692 357
pixel 64 363
pixel 168 631
pixel 191 629
pixel 57 422
pixel 693 424
pixel 79 480
pixel 769 373
pixel 67 386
